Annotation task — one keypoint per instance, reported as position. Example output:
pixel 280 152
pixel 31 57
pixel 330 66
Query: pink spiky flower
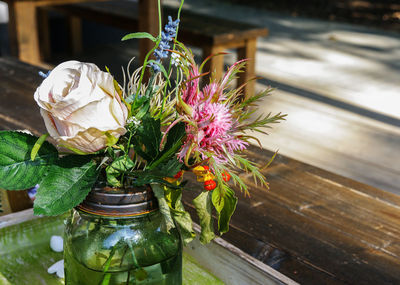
pixel 210 127
pixel 211 131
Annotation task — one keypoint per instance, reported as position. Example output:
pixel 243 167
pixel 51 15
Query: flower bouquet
pixel 139 134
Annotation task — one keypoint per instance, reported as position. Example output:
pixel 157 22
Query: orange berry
pixel 209 185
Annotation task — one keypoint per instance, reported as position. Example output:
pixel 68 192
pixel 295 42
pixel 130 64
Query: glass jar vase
pixel 115 237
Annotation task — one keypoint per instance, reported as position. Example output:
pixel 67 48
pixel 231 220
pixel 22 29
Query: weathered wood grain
pixel 312 225
pixel 332 224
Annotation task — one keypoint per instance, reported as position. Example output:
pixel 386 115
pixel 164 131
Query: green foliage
pixel 139 35
pixel 251 167
pixel 66 185
pixel 225 202
pixel 174 142
pixel 117 168
pixel 168 222
pixel 157 175
pixel 171 207
pixel 147 139
pixel 203 205
pixel 262 122
pixel 175 135
pixel 173 197
pixel 17 170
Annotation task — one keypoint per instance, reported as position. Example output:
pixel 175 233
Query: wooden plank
pixel 19 81
pixel 17 218
pixel 334 138
pixel 122 15
pixel 334 227
pixel 227 262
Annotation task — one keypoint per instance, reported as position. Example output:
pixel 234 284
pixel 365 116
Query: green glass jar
pixel 115 237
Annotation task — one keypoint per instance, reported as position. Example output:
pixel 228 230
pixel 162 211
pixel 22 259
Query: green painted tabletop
pixel 25 255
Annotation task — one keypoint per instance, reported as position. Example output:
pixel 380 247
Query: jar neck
pixel 119 202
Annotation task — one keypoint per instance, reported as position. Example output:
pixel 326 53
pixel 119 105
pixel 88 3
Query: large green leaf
pixel 202 204
pixel 175 135
pixel 66 185
pixel 17 170
pixel 225 204
pixel 181 217
pixel 148 138
pixel 167 221
pixel 174 142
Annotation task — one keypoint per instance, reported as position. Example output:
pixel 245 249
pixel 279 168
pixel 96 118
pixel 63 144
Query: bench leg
pixel 24 38
pixel 44 34
pixel 249 52
pixel 215 64
pixel 148 22
pixel 75 34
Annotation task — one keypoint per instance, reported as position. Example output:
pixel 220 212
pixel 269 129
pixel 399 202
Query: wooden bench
pixel 212 35
pixel 313 226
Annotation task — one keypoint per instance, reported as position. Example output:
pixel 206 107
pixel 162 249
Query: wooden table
pixel 312 225
pixel 24 26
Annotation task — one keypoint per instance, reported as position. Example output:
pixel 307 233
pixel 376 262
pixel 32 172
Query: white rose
pixel 79 104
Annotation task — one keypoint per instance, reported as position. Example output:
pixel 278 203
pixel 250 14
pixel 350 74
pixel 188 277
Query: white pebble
pixel 56 243
pixel 57 268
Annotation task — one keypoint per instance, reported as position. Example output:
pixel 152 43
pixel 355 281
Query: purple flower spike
pixel 166 37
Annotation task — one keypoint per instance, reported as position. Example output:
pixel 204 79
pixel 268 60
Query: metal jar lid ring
pixel 120 202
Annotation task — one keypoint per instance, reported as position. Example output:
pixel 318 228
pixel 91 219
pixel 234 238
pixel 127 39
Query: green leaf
pixel 66 185
pixel 139 35
pixel 181 217
pixel 143 109
pixel 174 142
pixel 175 135
pixel 121 164
pixel 167 222
pixel 224 201
pixel 202 204
pixel 148 135
pixel 17 170
pixel 117 168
